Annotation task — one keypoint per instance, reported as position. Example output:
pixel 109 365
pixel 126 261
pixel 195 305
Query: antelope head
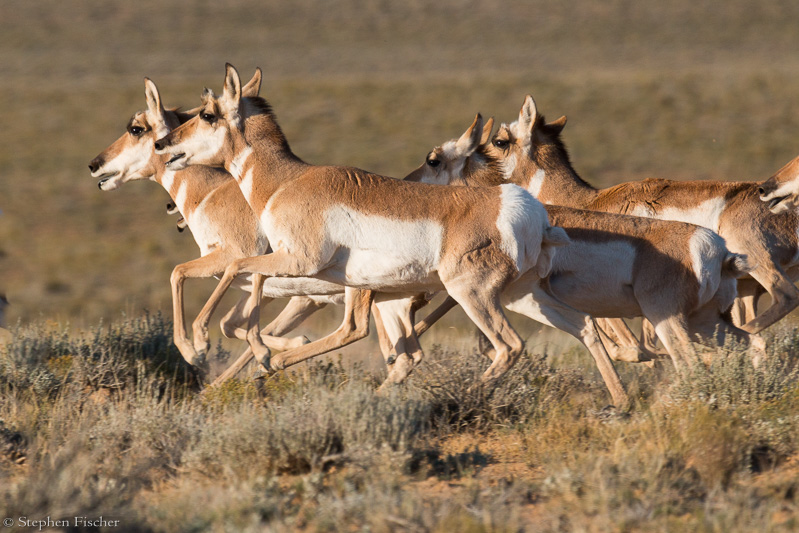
pixel 445 164
pixel 781 191
pixel 206 139
pixel 521 148
pixel 131 157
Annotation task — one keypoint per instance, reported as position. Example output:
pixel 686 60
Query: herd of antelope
pixel 496 221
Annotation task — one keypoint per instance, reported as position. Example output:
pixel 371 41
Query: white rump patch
pixel 521 222
pixel 707 254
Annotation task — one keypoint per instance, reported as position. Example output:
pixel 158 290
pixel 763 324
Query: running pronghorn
pixel 362 230
pixel 223 225
pixel 781 191
pixel 731 209
pixel 232 229
pixel 614 265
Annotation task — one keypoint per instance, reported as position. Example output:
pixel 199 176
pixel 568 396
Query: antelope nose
pixel 95 164
pixel 160 144
pixel 761 190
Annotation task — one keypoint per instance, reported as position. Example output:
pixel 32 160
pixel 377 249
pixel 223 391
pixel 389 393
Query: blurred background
pixel 686 89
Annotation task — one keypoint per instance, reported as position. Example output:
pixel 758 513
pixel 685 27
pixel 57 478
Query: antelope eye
pixel 433 162
pixel 136 130
pixel 501 143
pixel 208 117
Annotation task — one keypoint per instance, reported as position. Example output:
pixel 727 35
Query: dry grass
pixel 109 421
pixel 319 450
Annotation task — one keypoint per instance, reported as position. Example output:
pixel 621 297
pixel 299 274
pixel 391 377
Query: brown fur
pixel 662 251
pixel 229 229
pixel 769 241
pixel 291 197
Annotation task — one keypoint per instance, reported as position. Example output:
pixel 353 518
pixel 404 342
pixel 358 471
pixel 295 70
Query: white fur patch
pixel 707 253
pixel 237 165
pixel 367 251
pixel 203 229
pixel 536 182
pixel 128 165
pixel 181 195
pixel 382 252
pixel 246 185
pixel 199 149
pixel 706 214
pixel 167 180
pixel 509 166
pixel 521 222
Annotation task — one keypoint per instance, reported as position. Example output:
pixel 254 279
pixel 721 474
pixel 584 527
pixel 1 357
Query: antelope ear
pixel 528 115
pixel 556 126
pixel 231 96
pixel 153 98
pixel 253 87
pixel 470 139
pixel 232 90
pixel 487 127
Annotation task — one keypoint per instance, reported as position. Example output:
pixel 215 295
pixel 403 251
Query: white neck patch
pixel 237 165
pixel 536 182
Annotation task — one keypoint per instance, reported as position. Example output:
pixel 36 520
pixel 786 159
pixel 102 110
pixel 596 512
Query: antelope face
pixel 203 140
pixel 507 149
pixel 132 156
pixel 521 149
pixel 129 157
pixel 781 191
pixel 444 165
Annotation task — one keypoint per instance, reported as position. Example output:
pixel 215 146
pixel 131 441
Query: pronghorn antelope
pixel 614 265
pixel 362 230
pixel 781 191
pixel 731 209
pixel 220 220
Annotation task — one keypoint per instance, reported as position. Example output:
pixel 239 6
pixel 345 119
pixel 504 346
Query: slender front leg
pixel 203 267
pixel 200 326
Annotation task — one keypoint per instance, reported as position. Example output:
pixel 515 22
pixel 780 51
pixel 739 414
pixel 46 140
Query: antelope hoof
pixel 203 370
pixel 269 366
